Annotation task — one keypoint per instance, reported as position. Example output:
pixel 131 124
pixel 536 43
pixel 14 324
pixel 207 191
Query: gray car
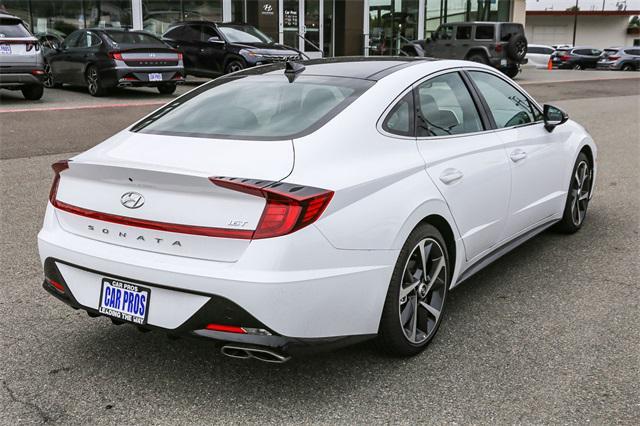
pixel 21 62
pixel 620 59
pixel 502 45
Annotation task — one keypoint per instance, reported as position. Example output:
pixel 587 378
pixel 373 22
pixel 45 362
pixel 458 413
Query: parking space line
pixel 98 106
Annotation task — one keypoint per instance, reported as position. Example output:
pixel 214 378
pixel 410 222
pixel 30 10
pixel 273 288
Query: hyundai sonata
pixel 297 206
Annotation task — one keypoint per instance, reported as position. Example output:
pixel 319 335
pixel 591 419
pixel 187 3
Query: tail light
pixel 31 45
pixel 179 55
pixel 613 58
pixel 565 57
pixel 289 207
pixel 117 56
pixel 58 167
pixel 37 72
pixel 498 48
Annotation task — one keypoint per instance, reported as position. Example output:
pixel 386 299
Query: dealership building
pixel 318 27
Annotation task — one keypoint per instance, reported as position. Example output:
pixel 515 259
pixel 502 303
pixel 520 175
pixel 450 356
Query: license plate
pixel 155 77
pixel 124 301
pixel 5 49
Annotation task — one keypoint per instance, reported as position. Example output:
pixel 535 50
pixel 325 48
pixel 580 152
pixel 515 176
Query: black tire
pixel 94 83
pixel 234 65
pixel 572 220
pixel 392 337
pixel 480 58
pixel 517 47
pixel 511 72
pixel 32 92
pixel 167 89
pixel 628 67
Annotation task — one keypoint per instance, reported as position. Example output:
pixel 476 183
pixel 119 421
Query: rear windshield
pixel 609 52
pixel 121 37
pixel 12 28
pixel 509 30
pixel 257 107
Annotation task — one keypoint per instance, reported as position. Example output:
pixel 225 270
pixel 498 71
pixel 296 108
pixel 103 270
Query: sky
pixel 583 4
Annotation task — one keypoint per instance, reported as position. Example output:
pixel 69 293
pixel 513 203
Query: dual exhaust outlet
pixel 259 353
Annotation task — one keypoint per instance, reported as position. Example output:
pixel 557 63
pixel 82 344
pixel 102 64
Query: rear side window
pixel 88 39
pixel 485 32
pixel 400 120
pixel 12 28
pixel 508 106
pixel 635 52
pixel 507 31
pixel 128 37
pixel 540 49
pixel 446 107
pixel 463 32
pixel 256 107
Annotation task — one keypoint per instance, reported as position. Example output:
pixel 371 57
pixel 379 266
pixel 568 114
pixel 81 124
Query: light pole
pixel 575 22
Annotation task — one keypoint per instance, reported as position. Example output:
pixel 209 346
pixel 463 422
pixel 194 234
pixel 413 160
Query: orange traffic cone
pixel 549 65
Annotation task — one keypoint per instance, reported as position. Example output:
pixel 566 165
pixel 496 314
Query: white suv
pixel 333 202
pixel 21 63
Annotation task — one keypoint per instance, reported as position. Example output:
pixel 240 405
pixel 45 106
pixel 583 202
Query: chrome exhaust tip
pixel 261 354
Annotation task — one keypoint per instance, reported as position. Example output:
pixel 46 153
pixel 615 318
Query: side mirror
pixel 553 116
pixel 216 40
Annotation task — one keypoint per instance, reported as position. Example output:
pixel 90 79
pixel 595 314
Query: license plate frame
pixel 155 76
pixel 131 290
pixel 5 49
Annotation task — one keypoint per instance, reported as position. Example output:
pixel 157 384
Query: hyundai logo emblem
pixel 132 200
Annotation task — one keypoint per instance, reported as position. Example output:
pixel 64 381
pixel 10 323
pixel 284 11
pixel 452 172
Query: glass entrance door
pixel 312 29
pixel 302 26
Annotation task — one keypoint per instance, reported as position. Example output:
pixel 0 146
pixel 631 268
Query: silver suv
pixel 502 45
pixel 620 58
pixel 21 62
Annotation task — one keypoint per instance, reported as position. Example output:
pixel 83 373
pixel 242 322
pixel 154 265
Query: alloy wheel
pixel 580 189
pixel 48 77
pixel 423 291
pixel 577 67
pixel 235 66
pixel 92 80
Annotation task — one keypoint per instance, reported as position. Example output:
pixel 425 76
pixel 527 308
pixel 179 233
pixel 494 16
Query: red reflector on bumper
pixel 226 328
pixel 56 285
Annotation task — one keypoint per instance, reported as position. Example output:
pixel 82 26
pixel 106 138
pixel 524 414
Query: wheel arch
pixel 480 49
pixel 436 213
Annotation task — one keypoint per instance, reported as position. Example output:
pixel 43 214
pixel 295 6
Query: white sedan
pixel 279 210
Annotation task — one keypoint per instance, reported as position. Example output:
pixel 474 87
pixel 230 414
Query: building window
pixel 159 15
pixel 392 24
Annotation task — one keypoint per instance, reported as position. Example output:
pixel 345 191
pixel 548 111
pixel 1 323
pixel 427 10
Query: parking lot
pixel 550 333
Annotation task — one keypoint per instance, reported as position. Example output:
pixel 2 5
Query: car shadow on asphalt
pixel 474 331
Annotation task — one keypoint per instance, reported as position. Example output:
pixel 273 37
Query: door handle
pixel 518 155
pixel 450 175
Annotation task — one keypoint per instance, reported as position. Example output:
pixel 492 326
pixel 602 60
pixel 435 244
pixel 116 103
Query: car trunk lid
pixel 152 192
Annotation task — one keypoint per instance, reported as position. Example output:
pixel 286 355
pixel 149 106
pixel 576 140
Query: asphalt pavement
pixel 548 334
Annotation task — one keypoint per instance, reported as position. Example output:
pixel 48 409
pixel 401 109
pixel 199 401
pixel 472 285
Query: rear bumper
pixel 299 299
pixel 609 65
pixel 123 76
pixel 19 78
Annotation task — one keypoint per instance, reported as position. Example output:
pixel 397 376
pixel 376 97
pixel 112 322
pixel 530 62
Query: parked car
pixel 101 59
pixel 576 58
pixel 211 49
pixel 21 63
pixel 502 45
pixel 620 58
pixel 562 46
pixel 276 217
pixel 538 55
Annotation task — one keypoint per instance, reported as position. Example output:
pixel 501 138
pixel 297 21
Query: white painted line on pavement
pixel 98 106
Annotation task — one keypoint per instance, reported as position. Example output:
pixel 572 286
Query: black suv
pixel 502 45
pixel 211 49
